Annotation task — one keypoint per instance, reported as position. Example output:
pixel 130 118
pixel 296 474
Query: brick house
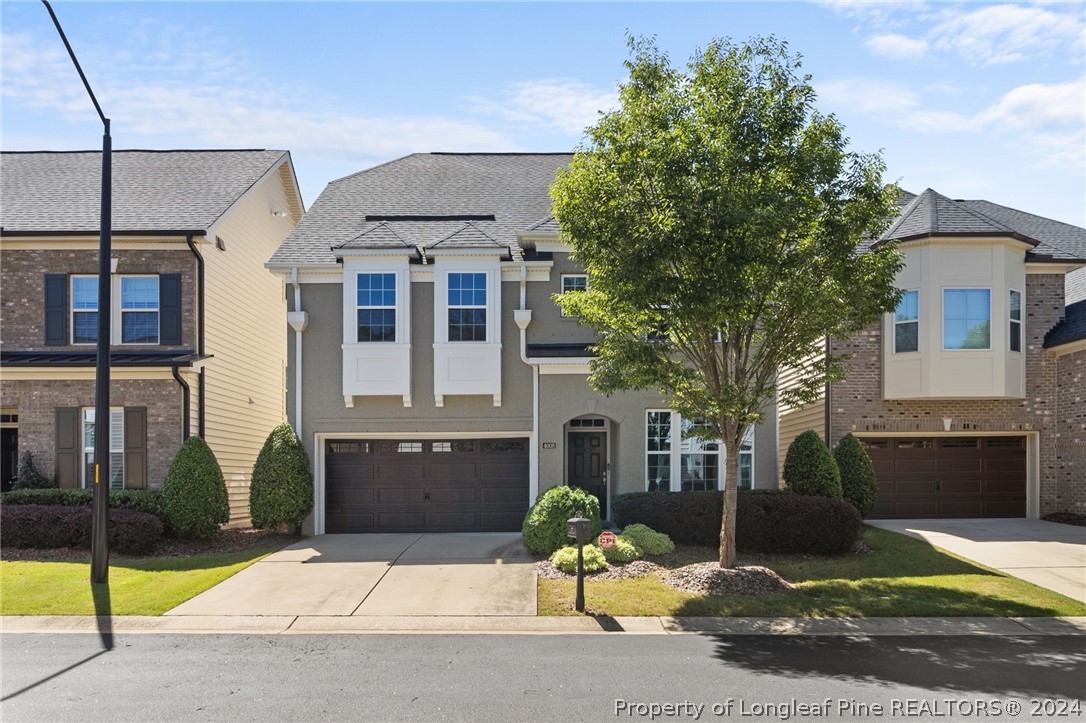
pixel 198 343
pixel 971 398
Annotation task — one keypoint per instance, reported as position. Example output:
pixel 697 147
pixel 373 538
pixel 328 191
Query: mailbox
pixel 580 530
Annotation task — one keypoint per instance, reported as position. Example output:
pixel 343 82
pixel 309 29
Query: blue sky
pixel 974 100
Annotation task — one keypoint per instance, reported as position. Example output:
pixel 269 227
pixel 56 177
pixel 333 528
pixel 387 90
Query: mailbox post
pixel 579 529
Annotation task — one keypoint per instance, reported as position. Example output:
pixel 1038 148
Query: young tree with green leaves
pixel 719 216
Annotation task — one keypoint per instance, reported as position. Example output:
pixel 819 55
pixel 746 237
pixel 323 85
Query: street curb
pixel 514 625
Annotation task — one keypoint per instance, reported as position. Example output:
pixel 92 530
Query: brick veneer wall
pixel 22 299
pixel 856 404
pixel 1070 493
pixel 37 401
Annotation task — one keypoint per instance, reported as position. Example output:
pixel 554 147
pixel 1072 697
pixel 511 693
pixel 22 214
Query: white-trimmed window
pixel 376 307
pixel 139 309
pixel 116 448
pixel 84 296
pixel 467 306
pixel 907 323
pixel 678 460
pixel 1015 313
pixel 573 282
pixel 967 319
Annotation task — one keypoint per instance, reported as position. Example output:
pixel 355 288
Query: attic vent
pixel 220 244
pixel 463 217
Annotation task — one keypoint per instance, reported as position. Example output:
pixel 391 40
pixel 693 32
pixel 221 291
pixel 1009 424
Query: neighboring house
pixel 434 381
pixel 971 398
pixel 198 341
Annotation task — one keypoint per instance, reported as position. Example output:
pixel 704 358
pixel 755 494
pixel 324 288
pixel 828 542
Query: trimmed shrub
pixel 623 551
pixel 858 483
pixel 281 492
pixel 48 526
pixel 809 468
pixel 147 501
pixel 565 559
pixel 766 520
pixel 194 493
pixel 544 529
pixel 649 540
pixel 27 476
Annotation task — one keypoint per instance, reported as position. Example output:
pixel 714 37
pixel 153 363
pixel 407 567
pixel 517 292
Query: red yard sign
pixel 607 540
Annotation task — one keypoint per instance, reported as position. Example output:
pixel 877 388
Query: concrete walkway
pixel 487 574
pixel 1045 553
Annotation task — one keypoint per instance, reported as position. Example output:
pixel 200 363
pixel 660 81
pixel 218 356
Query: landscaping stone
pixel 708 578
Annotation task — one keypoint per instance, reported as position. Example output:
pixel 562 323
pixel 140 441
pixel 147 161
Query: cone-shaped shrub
pixel 27 476
pixel 857 475
pixel 194 493
pixel 809 468
pixel 281 492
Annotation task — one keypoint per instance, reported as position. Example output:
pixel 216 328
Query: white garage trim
pixel 319 438
pixel 1033 458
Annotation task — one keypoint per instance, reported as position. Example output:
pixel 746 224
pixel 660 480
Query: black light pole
pixel 100 530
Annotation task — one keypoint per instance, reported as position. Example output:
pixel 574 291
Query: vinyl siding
pixel 246 334
pixel 794 420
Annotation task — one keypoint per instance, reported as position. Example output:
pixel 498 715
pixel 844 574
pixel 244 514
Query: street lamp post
pixel 100 527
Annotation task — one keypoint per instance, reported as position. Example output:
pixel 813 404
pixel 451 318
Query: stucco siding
pixel 548 325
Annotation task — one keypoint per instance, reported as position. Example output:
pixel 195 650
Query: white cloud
pixel 897 47
pixel 870 96
pixel 1006 33
pixel 561 103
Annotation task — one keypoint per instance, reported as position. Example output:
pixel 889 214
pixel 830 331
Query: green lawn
pixel 901 576
pixel 148 586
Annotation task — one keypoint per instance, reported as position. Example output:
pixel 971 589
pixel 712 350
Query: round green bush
pixel 649 540
pixel 194 493
pixel 565 559
pixel 858 483
pixel 544 529
pixel 281 491
pixel 809 468
pixel 623 551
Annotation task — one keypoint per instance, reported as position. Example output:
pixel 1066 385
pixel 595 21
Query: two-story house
pixel 198 345
pixel 433 379
pixel 971 397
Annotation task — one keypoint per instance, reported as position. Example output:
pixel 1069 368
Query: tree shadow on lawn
pixel 1042 666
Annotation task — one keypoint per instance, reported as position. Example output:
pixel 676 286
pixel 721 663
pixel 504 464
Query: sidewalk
pixel 517 625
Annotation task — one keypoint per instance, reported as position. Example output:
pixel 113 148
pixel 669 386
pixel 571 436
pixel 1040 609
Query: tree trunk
pixel 728 556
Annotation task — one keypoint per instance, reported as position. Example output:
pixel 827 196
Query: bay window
pixel 1015 320
pixel 967 315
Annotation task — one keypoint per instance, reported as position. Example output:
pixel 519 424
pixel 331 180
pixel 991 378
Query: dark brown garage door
pixel 949 476
pixel 476 485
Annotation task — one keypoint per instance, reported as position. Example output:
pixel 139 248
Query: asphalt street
pixel 60 677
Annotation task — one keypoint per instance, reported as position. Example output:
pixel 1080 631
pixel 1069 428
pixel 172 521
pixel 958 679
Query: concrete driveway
pixel 390 574
pixel 1045 553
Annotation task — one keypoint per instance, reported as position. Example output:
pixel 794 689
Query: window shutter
pixel 68 447
pixel 169 306
pixel 135 448
pixel 56 309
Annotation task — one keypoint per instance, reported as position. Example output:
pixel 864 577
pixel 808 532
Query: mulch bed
pixel 234 540
pixel 1066 518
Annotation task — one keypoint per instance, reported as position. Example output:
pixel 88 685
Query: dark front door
pixel 9 456
pixel 588 464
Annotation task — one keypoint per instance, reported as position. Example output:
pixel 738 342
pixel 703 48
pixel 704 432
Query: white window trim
pixel 675 453
pixel 89 484
pixel 895 322
pixel 562 287
pixel 485 306
pixel 1021 322
pixel 942 318
pixel 116 310
pixel 395 306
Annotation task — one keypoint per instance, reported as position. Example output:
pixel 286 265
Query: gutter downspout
pixel 185 402
pixel 523 317
pixel 200 345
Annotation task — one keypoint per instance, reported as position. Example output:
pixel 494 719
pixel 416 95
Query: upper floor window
pixel 139 309
pixel 907 323
pixel 376 307
pixel 84 309
pixel 467 306
pixel 573 282
pixel 1016 320
pixel 967 315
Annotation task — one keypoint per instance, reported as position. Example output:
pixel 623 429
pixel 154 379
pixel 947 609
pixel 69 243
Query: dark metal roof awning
pixel 173 358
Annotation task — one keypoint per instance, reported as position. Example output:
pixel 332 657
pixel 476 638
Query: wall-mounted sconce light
pixel 947 421
pixel 112 264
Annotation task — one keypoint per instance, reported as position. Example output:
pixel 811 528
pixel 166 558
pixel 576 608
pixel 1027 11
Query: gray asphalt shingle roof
pixel 512 187
pixel 152 190
pixel 377 236
pixel 467 236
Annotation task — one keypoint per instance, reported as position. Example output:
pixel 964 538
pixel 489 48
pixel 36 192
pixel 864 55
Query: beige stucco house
pixel 198 341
